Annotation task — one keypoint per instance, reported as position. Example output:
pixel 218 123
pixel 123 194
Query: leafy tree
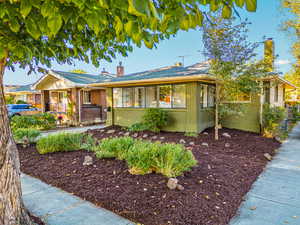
pixel 292 26
pixel 231 58
pixel 34 33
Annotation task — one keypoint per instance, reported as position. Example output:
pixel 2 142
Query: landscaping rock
pixel 268 156
pixel 179 187
pixel 182 141
pixel 226 135
pixel 154 137
pixel 162 138
pixel 145 135
pixel 88 160
pixel 101 131
pixel 127 133
pixel 111 131
pixel 204 144
pixel 205 133
pixel 135 135
pixel 121 132
pixel 227 145
pixel 172 183
pixel 192 143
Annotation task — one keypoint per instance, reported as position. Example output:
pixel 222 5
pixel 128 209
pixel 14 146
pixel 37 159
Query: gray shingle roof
pixel 164 72
pixel 83 78
pixel 23 88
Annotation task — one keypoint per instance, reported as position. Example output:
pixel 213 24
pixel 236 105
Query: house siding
pixel 249 121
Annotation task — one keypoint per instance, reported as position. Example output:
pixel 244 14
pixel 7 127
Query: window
pixel 128 95
pixel 266 92
pixel 151 97
pixel 87 97
pixel 139 97
pixel 179 93
pixel 117 97
pixel 276 93
pixel 165 96
pixel 203 96
pixel 211 90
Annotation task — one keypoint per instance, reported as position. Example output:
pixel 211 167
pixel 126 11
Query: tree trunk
pixel 217 112
pixel 12 211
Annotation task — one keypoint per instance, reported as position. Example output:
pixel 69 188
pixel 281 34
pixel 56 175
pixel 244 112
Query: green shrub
pixel 272 117
pixel 191 134
pixel 154 119
pixel 144 157
pixel 295 114
pixel 61 142
pixel 9 99
pixel 141 156
pixel 21 102
pixel 114 147
pixel 138 127
pixel 26 135
pixel 42 121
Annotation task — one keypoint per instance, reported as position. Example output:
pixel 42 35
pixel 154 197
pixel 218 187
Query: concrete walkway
pixel 57 207
pixel 275 197
pixel 73 129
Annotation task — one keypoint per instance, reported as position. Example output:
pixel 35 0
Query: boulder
pixel 135 135
pixel 162 138
pixel 179 187
pixel 154 137
pixel 127 133
pixel 227 145
pixel 192 143
pixel 110 131
pixel 182 141
pixel 205 133
pixel 204 144
pixel 145 135
pixel 268 156
pixel 226 135
pixel 88 160
pixel 172 183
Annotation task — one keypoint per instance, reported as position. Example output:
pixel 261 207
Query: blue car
pixel 21 109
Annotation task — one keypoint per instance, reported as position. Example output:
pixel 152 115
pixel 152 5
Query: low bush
pixel 144 157
pixel 272 117
pixel 61 142
pixel 26 135
pixel 191 134
pixel 138 127
pixel 43 121
pixel 154 119
pixel 21 102
pixel 114 147
pixel 295 114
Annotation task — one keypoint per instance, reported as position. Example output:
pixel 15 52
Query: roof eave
pixel 155 80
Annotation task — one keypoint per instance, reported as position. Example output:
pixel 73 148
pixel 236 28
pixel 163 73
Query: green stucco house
pixel 187 94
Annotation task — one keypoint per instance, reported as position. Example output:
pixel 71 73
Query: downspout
pixel 79 110
pixel 261 106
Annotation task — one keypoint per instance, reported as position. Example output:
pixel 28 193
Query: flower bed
pixel 213 190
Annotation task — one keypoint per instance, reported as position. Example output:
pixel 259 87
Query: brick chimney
pixel 120 70
pixel 269 55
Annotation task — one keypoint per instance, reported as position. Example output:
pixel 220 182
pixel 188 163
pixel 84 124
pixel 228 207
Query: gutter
pixel 155 80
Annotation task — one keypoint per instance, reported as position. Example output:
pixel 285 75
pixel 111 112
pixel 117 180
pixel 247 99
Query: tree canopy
pixel 34 32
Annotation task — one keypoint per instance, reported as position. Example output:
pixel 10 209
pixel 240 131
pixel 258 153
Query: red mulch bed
pixel 212 193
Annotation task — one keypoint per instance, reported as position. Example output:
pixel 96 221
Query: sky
pixel 266 21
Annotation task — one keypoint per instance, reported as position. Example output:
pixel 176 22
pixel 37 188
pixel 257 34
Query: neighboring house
pixel 26 94
pixel 68 93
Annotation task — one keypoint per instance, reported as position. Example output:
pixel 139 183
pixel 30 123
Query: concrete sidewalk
pixel 275 197
pixel 73 129
pixel 57 207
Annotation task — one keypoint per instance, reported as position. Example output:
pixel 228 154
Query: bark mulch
pixel 213 190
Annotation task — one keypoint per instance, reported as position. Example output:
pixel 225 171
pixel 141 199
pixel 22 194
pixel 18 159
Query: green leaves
pixel 240 3
pixel 25 8
pixel 14 25
pixel 226 12
pixel 251 5
pixel 54 23
pixel 32 28
pixel 138 7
